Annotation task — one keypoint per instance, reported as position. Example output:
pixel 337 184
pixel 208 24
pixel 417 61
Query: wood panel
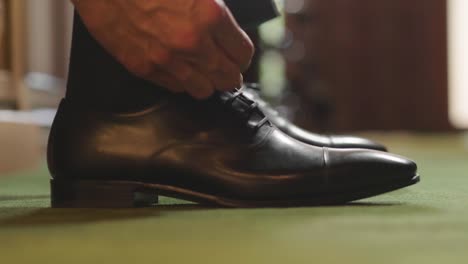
pixel 3 33
pixel 382 63
pixel 17 43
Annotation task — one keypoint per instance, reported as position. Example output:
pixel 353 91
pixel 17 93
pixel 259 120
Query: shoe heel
pixel 99 194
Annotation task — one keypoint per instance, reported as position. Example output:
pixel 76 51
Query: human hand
pixel 192 46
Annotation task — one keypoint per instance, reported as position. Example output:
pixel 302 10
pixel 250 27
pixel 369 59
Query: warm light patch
pixel 458 62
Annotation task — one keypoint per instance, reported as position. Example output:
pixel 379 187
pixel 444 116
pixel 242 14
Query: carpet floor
pixel 426 223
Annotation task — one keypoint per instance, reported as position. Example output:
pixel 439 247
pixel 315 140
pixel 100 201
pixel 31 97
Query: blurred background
pixel 329 65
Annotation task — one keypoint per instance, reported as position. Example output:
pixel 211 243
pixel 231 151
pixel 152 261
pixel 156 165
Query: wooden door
pixel 378 64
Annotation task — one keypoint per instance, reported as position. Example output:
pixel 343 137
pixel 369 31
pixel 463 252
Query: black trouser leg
pixel 97 80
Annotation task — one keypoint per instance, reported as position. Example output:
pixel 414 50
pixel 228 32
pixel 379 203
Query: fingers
pixel 198 86
pixel 209 61
pixel 175 73
pixel 183 77
pixel 217 66
pixel 221 49
pixel 198 61
pixel 194 82
pixel 234 41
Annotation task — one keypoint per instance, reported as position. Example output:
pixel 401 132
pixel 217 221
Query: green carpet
pixel 427 223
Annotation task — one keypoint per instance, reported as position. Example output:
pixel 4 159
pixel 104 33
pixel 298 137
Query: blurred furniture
pixel 21 147
pixel 12 88
pixel 3 51
pixel 369 64
pixel 19 141
pixel 35 38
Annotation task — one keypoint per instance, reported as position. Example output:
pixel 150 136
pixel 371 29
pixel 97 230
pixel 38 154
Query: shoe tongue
pixel 242 105
pixel 237 101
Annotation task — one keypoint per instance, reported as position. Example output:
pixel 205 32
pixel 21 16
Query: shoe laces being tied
pixel 246 108
pixel 254 94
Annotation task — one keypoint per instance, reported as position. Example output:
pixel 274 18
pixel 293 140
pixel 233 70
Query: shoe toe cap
pixel 368 167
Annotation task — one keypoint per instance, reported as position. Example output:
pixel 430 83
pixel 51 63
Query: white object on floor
pixel 39 117
pixel 458 62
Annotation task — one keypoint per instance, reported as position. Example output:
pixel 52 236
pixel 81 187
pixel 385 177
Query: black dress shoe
pixel 222 151
pixel 331 141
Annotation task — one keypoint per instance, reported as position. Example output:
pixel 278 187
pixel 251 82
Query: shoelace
pixel 252 108
pixel 257 89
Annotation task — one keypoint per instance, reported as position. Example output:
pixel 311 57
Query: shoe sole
pixel 127 194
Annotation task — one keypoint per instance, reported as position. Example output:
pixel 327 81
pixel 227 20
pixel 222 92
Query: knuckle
pixel 146 6
pixel 184 74
pixel 214 12
pixel 212 65
pixel 163 57
pixel 145 25
pixel 188 39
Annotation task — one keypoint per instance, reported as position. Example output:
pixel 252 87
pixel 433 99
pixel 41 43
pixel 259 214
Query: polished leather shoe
pixel 331 141
pixel 222 151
